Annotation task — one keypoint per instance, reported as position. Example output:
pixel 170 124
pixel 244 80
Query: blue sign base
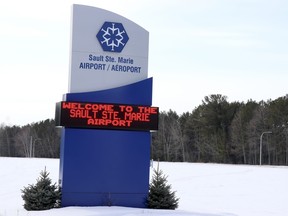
pixel 107 167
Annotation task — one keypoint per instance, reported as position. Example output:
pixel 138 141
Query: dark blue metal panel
pixel 107 167
pixel 139 93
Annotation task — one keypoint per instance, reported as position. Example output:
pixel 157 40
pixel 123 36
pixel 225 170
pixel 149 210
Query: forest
pixel 216 131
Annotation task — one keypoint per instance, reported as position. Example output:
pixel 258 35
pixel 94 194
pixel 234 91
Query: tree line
pixel 216 131
pixel 41 139
pixel 222 132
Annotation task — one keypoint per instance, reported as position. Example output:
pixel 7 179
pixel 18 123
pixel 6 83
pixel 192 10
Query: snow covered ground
pixel 204 190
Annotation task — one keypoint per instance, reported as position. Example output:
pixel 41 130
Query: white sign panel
pixel 108 50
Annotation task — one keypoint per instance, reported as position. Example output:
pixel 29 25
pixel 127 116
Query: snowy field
pixel 204 190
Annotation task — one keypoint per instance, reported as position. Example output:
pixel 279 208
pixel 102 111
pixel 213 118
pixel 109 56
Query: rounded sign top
pixel 108 50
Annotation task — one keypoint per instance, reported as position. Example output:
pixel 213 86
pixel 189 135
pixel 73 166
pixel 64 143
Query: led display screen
pixel 106 116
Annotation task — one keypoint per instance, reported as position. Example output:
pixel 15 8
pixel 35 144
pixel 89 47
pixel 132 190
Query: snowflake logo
pixel 112 37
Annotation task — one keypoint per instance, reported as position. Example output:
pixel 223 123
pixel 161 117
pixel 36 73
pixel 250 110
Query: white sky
pixel 237 48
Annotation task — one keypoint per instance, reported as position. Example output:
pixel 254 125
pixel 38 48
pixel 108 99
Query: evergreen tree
pixel 42 196
pixel 160 195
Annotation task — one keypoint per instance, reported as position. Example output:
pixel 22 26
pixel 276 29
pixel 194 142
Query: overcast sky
pixel 237 48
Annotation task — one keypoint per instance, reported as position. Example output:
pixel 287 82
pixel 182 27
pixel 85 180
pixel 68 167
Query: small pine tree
pixel 42 196
pixel 160 195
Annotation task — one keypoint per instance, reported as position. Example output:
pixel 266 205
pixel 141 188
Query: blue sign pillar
pixel 107 167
